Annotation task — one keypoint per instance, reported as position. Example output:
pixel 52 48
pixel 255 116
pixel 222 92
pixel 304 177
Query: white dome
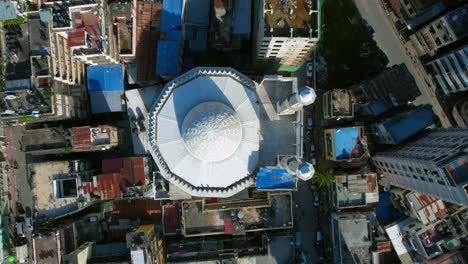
pixel 211 131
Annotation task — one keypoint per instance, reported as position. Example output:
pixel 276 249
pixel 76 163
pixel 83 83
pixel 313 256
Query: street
pixel 398 52
pixel 20 184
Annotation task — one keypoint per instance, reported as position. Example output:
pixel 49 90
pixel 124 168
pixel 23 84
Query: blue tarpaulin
pixel 105 88
pixel 167 61
pixel 274 178
pixel 346 142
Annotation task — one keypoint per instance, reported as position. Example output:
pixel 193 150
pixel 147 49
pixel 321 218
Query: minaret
pixel 296 101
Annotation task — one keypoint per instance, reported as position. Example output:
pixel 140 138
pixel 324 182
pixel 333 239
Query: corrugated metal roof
pixel 347 142
pixel 227 226
pixel 81 137
pixel 428 209
pixel 274 178
pixel 118 174
pixel 172 216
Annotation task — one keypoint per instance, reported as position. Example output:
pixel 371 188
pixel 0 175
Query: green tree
pixel 323 178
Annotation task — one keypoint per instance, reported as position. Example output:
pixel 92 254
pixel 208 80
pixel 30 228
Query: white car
pixel 310 69
pixel 29 224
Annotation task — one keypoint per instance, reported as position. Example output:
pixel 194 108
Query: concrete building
pixel 146 245
pixel 237 217
pixel 393 87
pixel 352 190
pixel 352 237
pixel 460 112
pixel 216 121
pixel 435 165
pixel 428 241
pixel 418 206
pixel 286 30
pixel 345 143
pixel 57 184
pixel 450 71
pixel 441 32
pixel 338 104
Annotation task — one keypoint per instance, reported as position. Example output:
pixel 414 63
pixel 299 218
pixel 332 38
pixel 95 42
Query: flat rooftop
pixel 45 249
pixel 139 102
pixel 356 190
pixel 45 201
pixel 273 127
pixel 198 222
pixel 43 139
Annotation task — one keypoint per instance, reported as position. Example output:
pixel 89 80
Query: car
pixel 316 201
pixel 310 69
pixel 318 238
pixel 310 122
pixel 29 224
pixel 20 229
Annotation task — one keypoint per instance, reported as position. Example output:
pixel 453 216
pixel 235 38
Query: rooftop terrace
pixel 283 17
pixel 200 222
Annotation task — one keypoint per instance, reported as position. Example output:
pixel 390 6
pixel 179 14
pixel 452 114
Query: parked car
pixel 29 224
pixel 310 69
pixel 318 238
pixel 310 122
pixel 20 229
pixel 316 201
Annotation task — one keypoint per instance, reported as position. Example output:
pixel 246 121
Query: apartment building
pixel 287 30
pixel 450 71
pixel 441 32
pixel 435 164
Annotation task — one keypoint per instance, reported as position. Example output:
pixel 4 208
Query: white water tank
pixel 296 166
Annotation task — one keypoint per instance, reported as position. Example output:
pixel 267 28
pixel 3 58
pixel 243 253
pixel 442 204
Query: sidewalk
pixel 10 156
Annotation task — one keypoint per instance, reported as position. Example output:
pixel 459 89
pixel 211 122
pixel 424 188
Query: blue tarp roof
pixel 274 178
pixel 167 60
pixel 241 18
pixel 105 88
pixel 398 128
pixel 346 141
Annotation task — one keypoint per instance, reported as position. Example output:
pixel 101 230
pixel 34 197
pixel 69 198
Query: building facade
pixel 436 165
pixel 443 31
pixel 450 71
pixel 287 31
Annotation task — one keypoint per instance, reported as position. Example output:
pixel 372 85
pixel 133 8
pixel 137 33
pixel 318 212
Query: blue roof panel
pixel 105 78
pixel 171 19
pixel 274 178
pixel 167 61
pixel 197 12
pixel 399 128
pixel 106 101
pixel 241 18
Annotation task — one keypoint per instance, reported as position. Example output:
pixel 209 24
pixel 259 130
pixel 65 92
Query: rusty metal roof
pixel 81 137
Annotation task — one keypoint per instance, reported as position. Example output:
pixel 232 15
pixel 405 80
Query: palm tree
pixel 323 178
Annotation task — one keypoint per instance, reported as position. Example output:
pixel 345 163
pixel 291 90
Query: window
pixel 418 170
pixel 405 168
pixel 430 180
pixel 411 168
pixel 411 11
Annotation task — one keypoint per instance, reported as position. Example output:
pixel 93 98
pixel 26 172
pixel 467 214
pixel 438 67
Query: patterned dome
pixel 211 131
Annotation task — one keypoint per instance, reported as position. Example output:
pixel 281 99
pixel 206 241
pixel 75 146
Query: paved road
pixel 398 52
pixel 23 185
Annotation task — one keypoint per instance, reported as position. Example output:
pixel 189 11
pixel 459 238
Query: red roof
pixel 172 216
pixel 81 137
pixel 76 38
pixel 147 210
pixel 118 174
pixel 227 226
